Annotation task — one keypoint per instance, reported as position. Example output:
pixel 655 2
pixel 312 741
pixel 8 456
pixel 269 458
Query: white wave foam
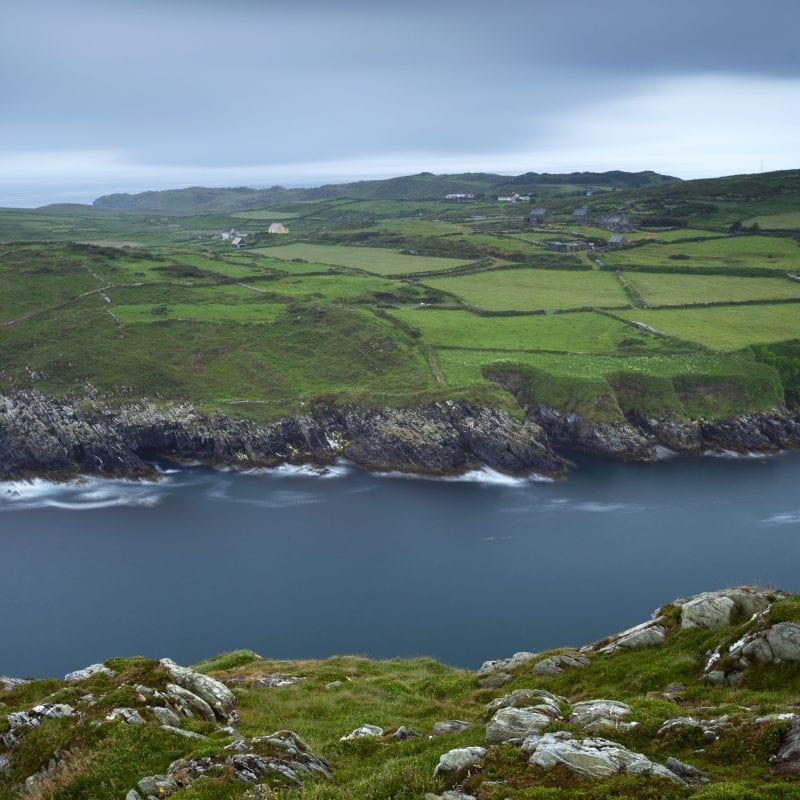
pixel 736 455
pixel 787 518
pixel 81 494
pixel 588 506
pixel 484 476
pixel 664 453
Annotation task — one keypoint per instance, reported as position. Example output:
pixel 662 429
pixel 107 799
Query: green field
pixel 663 289
pixel 531 289
pixel 345 315
pixel 763 252
pixel 725 328
pixel 370 259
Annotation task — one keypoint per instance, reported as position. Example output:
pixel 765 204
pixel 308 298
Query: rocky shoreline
pixel 57 438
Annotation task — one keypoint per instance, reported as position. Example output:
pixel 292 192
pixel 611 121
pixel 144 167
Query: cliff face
pixel 44 436
pixel 39 435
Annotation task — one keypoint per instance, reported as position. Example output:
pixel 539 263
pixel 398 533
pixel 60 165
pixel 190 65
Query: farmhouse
pixel 566 247
pixel 238 241
pixel 277 227
pixel 459 196
pixel 617 223
pixel 539 215
pixel 580 216
pixel 514 198
pixel 617 240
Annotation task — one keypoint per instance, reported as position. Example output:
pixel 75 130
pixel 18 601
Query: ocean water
pixel 293 563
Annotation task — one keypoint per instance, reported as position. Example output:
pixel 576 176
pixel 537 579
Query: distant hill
pixel 424 186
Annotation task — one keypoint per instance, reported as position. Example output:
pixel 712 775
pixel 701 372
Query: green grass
pixel 762 252
pixel 787 220
pixel 578 332
pixel 725 329
pixel 372 259
pixel 664 289
pixel 530 289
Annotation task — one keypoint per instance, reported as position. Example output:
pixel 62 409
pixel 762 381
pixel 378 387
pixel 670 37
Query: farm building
pixel 617 223
pixel 514 198
pixel 617 240
pixel 580 216
pixel 459 196
pixel 277 227
pixel 238 241
pixel 566 247
pixel 539 215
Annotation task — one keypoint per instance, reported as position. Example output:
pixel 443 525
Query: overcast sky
pixel 125 95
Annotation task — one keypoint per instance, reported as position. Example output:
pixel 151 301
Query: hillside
pixel 424 186
pixel 701 701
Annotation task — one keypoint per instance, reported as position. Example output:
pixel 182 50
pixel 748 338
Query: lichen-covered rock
pixel 7 683
pixel 512 723
pixel 87 672
pixel 648 634
pixel 784 641
pixel 593 715
pixel 363 732
pixel 459 758
pixel 188 703
pixel 506 664
pixel 130 716
pixel 215 693
pixel 554 665
pixel 544 701
pixel 166 716
pixel 594 758
pixel 715 610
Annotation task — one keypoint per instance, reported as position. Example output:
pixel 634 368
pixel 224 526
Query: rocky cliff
pixel 58 438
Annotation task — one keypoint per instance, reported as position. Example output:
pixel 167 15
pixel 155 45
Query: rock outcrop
pixel 56 437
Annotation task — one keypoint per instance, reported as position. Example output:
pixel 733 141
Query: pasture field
pixel 763 252
pixel 725 328
pixel 784 221
pixel 266 214
pixel 371 259
pixel 658 289
pixel 568 333
pixel 527 289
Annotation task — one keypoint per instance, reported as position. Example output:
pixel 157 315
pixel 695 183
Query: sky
pixel 100 96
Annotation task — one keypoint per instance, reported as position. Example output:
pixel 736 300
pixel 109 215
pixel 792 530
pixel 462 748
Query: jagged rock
pixel 516 723
pixel 133 795
pixel 686 771
pixel 505 664
pixel 787 759
pixel 188 703
pixel 295 750
pixel 548 703
pixel 166 716
pixel 458 759
pixel 710 727
pixel 157 785
pixel 7 684
pixel 554 665
pixel 215 693
pixel 403 733
pixel 592 715
pixel 363 732
pixel 714 610
pixel 5 765
pixel 648 634
pixel 595 758
pixel 449 726
pixel 130 716
pixel 87 672
pixel 334 684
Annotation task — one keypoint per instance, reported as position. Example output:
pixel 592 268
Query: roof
pixel 616 238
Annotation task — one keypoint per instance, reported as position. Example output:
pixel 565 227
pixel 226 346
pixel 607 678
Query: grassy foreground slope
pixel 729 728
pixel 398 302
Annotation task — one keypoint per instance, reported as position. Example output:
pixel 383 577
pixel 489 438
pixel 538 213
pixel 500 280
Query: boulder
pixel 87 672
pixel 216 694
pixel 784 641
pixel 7 684
pixel 594 758
pixel 363 732
pixel 188 703
pixel 494 681
pixel 403 733
pixel 592 715
pixel 505 664
pixel 5 765
pixel 458 759
pixel 516 723
pixel 787 759
pixel 714 610
pixel 686 771
pixel 157 785
pixel 130 716
pixel 541 700
pixel 554 665
pixel 166 716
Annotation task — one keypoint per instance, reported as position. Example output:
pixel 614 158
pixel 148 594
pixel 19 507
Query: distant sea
pixel 293 563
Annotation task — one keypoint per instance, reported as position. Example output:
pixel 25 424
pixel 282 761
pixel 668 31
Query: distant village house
pixel 514 198
pixel 617 240
pixel 618 223
pixel 277 227
pixel 566 247
pixel 580 216
pixel 459 196
pixel 539 215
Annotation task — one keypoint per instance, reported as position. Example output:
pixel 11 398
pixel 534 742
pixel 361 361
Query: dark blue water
pixel 297 566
